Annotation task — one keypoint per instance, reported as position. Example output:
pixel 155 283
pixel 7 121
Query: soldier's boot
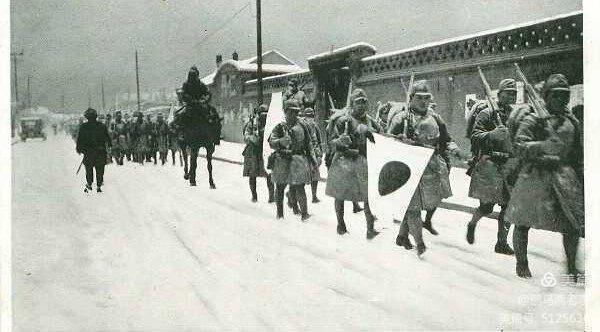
pixel 404 241
pixel 427 223
pixel 471 232
pixel 293 201
pixel 313 187
pixel 339 212
pixel 502 246
pixel 88 188
pixel 371 232
pixel 355 207
pixel 302 201
pixel 99 188
pixel 271 188
pixel 252 183
pixel 520 240
pixel 421 248
pixel 211 183
pixel 279 202
pixel 570 243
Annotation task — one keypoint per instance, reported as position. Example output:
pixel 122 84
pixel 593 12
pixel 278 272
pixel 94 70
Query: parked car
pixel 32 127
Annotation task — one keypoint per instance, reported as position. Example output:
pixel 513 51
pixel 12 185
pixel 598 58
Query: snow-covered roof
pixel 274 77
pixel 249 65
pixel 342 50
pixel 253 59
pixel 208 79
pixel 266 67
pixel 477 34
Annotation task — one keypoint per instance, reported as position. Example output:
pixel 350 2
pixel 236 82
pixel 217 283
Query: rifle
pixel 349 93
pixel 407 99
pixel 488 94
pixel 537 103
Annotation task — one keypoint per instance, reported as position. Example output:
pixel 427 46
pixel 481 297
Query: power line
pixel 223 25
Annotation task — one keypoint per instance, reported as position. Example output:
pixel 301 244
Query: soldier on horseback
pixel 199 123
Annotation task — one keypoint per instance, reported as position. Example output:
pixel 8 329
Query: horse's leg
pixel 209 153
pixel 186 174
pixel 193 165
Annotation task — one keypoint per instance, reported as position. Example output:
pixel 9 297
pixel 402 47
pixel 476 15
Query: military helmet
pixel 507 84
pixel 421 88
pixel 309 112
pixel 358 94
pixel 556 82
pixel 90 113
pixel 291 104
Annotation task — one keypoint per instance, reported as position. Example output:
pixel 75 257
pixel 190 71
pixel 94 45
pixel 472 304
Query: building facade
pixel 553 45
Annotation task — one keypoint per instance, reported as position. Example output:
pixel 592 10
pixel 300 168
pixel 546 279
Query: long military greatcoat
pixel 293 164
pixel 315 137
pixel 253 152
pixel 348 176
pixel 489 176
pixel 548 195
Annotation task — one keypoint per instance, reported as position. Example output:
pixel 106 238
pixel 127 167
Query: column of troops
pixel 137 138
pixel 529 165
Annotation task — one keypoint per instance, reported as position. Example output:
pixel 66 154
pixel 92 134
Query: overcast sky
pixel 69 45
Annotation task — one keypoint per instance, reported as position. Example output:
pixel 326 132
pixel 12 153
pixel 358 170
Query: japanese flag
pixel 395 169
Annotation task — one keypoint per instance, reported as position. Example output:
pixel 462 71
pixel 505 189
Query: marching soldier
pixel 308 117
pixel 548 192
pixel 253 152
pixel 419 125
pixel 120 138
pixel 292 159
pixel 490 143
pixel 162 138
pixel 150 131
pixel 92 141
pixel 383 112
pixel 139 138
pixel 108 123
pixel 293 92
pixel 128 124
pixel 348 176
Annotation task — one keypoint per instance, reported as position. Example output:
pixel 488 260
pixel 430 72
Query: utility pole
pixel 89 99
pixel 28 91
pixel 14 56
pixel 259 86
pixel 137 79
pixel 102 91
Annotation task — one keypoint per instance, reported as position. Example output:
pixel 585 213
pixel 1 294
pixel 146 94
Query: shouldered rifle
pixel 535 100
pixel 407 101
pixel 488 94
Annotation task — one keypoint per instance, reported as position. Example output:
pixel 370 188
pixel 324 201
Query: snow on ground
pixel 152 253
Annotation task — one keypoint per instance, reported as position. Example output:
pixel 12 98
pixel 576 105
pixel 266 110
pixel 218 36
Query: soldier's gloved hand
pixel 499 134
pixel 345 140
pixel 548 160
pixel 552 146
pixel 285 141
pixel 253 139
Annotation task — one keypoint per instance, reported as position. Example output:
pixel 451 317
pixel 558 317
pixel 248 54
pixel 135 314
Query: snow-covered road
pixel 153 254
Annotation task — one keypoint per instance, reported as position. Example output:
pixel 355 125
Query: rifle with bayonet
pixel 488 94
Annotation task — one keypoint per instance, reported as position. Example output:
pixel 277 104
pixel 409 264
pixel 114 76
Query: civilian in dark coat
pixel 92 141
